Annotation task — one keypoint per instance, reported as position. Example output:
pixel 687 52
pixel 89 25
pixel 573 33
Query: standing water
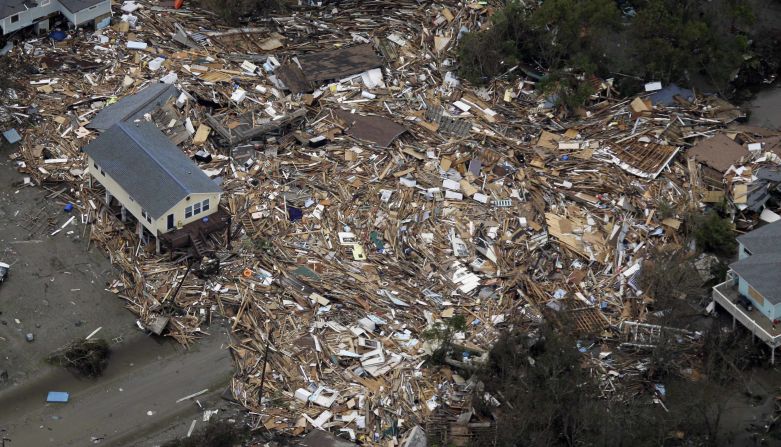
pixel 766 109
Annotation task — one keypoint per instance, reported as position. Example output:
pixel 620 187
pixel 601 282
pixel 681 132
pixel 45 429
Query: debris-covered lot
pixel 374 207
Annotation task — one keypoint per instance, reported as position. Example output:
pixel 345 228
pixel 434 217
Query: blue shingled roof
pixel 134 107
pixel 144 162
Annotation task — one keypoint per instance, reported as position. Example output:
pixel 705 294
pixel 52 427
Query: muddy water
pixel 766 109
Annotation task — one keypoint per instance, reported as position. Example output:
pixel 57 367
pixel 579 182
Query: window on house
pixel 758 298
pixel 94 163
pixel 14 18
pixel 197 208
pixel 205 205
pixel 102 172
pixel 146 215
pixel 131 199
pixel 44 2
pixel 188 212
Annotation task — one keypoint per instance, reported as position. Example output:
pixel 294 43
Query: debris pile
pixel 372 197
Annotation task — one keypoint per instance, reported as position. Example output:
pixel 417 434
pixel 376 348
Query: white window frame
pixel 205 205
pixel 188 212
pixel 196 208
pixel 15 18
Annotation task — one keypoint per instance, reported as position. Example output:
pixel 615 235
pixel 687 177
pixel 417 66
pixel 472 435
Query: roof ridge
pixel 122 125
pixel 153 98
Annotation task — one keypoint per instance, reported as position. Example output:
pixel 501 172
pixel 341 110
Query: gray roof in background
pixel 133 107
pixel 765 239
pixel 763 273
pixel 78 5
pixel 11 7
pixel 148 166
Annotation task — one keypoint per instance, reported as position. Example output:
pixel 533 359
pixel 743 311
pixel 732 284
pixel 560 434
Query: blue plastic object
pixel 294 214
pixel 12 136
pixel 58 36
pixel 58 397
pixel 68 207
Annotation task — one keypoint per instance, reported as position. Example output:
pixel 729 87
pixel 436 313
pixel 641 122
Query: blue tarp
pixel 666 96
pixel 12 136
pixel 57 397
pixel 294 214
pixel 58 36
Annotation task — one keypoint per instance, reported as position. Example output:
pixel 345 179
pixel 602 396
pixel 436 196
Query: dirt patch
pixel 55 290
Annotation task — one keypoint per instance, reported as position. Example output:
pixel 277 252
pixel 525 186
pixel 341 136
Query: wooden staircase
pixel 246 222
pixel 199 245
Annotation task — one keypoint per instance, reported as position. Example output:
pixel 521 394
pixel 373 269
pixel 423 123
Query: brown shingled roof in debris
pixel 719 152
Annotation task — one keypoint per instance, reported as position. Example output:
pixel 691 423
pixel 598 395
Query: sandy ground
pixel 56 288
pixel 134 403
pixel 56 292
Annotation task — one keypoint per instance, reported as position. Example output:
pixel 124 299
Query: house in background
pixel 18 14
pixel 758 269
pixel 756 277
pixel 151 178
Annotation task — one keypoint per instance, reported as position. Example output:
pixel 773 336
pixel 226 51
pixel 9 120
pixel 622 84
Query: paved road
pixel 136 396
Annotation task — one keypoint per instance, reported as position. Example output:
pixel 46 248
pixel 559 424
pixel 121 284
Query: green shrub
pixel 714 234
pixel 216 434
pixel 441 334
pixel 233 10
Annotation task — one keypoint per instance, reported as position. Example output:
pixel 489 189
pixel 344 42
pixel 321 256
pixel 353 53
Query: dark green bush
pixel 714 234
pixel 216 434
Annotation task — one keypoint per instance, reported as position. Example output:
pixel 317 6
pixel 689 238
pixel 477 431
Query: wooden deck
pixel 760 326
pixel 196 233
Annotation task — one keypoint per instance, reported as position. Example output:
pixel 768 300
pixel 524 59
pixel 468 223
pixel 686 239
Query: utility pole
pixel 189 267
pixel 263 371
pixel 230 233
